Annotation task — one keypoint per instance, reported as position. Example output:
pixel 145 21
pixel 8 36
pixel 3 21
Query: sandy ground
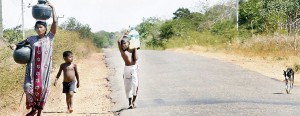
pixel 267 66
pixel 92 97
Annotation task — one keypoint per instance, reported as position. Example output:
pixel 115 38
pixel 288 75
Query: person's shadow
pixel 58 112
pixel 119 111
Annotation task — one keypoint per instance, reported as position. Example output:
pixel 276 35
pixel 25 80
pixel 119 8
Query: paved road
pixel 185 84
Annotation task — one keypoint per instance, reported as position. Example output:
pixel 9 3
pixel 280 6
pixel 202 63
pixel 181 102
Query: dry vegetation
pixel 271 48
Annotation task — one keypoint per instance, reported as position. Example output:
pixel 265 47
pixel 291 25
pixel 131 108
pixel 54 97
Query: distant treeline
pixel 263 17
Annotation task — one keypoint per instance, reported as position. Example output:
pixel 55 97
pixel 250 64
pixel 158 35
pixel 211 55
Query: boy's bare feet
pixel 130 107
pixel 133 105
pixel 70 110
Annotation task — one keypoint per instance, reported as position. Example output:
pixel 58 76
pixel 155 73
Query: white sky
pixel 108 15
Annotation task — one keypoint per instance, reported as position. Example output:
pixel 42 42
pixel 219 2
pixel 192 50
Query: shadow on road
pixel 55 112
pixel 277 93
pixel 119 111
pixel 61 112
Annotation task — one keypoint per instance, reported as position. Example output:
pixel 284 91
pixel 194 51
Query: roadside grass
pixel 205 39
pixel 275 48
pixel 10 79
pixel 12 74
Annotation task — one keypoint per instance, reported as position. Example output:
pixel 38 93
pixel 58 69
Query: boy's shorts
pixel 69 86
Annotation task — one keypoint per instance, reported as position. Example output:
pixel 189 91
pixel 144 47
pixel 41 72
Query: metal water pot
pixel 22 54
pixel 41 11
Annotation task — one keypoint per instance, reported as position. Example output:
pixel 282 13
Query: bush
pixel 225 29
pixel 196 38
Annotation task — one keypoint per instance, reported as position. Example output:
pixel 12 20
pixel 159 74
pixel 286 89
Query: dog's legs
pixel 292 80
pixel 287 86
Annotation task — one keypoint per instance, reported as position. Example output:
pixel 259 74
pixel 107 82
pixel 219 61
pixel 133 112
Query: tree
pixel 149 31
pixel 182 13
pixel 250 15
pixel 73 25
pixel 292 14
pixel 149 28
pixel 85 31
pixel 197 19
pixel 269 15
pixel 104 39
pixel 225 29
pixel 273 12
pixel 167 30
pixel 218 13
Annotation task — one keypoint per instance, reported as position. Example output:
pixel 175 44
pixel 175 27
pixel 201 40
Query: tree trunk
pixel 295 32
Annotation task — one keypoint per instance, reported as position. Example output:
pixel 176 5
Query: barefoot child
pixel 130 76
pixel 70 72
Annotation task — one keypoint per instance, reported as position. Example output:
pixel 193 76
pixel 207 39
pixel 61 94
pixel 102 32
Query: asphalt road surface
pixel 178 84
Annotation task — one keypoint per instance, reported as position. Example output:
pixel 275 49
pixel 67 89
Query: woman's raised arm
pixel 53 26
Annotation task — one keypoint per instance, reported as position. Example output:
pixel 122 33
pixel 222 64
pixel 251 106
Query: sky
pixel 107 15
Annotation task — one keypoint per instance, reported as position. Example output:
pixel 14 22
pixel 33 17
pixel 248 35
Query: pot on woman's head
pixel 41 11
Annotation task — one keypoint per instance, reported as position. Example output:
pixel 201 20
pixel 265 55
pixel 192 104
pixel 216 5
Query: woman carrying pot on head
pixel 38 69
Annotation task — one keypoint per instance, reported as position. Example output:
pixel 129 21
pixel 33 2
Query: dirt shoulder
pixel 92 97
pixel 270 67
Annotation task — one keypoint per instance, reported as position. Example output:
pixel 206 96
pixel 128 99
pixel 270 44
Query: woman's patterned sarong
pixel 37 76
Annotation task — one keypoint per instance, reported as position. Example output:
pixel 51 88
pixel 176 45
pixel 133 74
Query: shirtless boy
pixel 70 72
pixel 130 57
